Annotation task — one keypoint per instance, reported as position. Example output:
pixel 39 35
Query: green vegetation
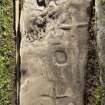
pixel 7 52
pixel 99 90
pixel 97 93
pixel 101 1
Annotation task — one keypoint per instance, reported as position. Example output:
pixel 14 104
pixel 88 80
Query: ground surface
pixel 7 52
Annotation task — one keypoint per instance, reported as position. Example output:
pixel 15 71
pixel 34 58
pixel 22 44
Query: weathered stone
pixel 53 51
pixel 100 14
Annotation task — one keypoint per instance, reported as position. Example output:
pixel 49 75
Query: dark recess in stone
pixel 41 3
pixel 23 72
pixel 60 56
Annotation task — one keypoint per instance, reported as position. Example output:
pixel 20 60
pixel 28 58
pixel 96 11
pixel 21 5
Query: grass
pixel 7 52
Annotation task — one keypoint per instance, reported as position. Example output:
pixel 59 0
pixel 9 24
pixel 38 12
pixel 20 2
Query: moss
pixel 101 1
pixel 7 52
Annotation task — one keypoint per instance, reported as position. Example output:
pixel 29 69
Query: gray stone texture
pixel 100 15
pixel 53 51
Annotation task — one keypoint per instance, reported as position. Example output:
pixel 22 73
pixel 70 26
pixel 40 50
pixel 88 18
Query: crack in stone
pixel 57 97
pixel 68 27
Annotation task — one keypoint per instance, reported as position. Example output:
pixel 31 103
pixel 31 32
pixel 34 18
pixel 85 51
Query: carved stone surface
pixel 53 51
